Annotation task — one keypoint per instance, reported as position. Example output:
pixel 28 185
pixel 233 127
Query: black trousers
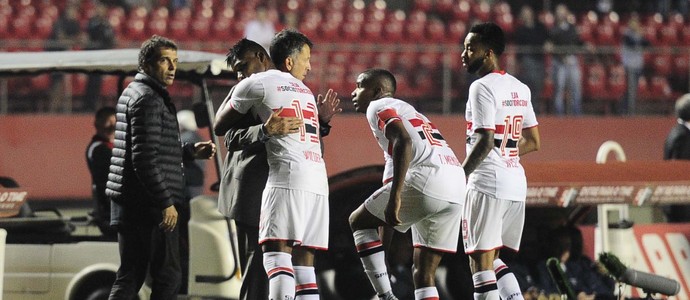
pixel 255 280
pixel 142 248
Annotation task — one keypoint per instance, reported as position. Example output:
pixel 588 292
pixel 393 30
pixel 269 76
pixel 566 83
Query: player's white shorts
pixel 435 223
pixel 489 223
pixel 294 215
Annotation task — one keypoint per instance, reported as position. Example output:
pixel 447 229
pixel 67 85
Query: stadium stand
pixel 417 29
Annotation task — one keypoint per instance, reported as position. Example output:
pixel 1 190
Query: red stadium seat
pixel 393 31
pixel 436 30
pixel 158 26
pixel 506 22
pixel 680 65
pixel 351 31
pixel 643 91
pixel 135 29
pixel 443 7
pixel 662 64
pixel 330 31
pixel 179 29
pixel 595 82
pixel 423 5
pixel 685 36
pixel 481 11
pixel 372 31
pixel 461 11
pixel 456 32
pixel 660 88
pixel 668 35
pixel 21 27
pixel 79 84
pixel 415 31
pixel 606 35
pixel 384 60
pixel 40 82
pixel 617 82
pixel 43 27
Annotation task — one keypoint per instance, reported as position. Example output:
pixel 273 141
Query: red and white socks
pixel 508 286
pixel 426 293
pixel 281 275
pixel 306 288
pixel 370 250
pixel 485 285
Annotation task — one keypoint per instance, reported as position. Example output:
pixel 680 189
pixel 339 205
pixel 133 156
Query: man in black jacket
pixel 677 146
pixel 146 176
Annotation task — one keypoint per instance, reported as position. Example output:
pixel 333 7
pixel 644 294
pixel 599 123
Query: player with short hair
pixel 294 208
pixel 501 127
pixel 423 187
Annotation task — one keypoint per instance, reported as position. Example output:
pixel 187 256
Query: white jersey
pixel 500 102
pixel 434 169
pixel 294 160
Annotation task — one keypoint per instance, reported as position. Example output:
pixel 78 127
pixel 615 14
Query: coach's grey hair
pixel 683 107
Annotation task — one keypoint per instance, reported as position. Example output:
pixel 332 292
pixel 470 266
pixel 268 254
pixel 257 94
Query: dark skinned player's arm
pixel 483 145
pixel 402 154
pixel 530 140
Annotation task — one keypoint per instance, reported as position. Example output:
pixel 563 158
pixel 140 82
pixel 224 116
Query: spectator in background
pixel 193 169
pixel 585 276
pixel 566 64
pixel 531 36
pixel 193 185
pixel 100 36
pixel 633 61
pixel 98 154
pixel 677 146
pixel 66 35
pixel 260 29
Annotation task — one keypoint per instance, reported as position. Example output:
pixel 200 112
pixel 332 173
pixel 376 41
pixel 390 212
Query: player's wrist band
pixel 324 128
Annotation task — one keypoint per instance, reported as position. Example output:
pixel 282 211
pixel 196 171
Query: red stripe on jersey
pixel 420 122
pixel 279 269
pixel 387 114
pixel 430 298
pixel 369 245
pixel 502 72
pixel 306 286
pixel 500 129
pixel 308 114
pixel 469 125
pixel 416 122
pixel 387 180
pixel 287 112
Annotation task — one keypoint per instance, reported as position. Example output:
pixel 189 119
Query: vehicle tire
pixel 100 293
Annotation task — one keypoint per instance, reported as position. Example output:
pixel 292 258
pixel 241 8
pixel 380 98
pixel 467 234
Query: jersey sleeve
pixel 381 115
pixel 247 94
pixel 483 106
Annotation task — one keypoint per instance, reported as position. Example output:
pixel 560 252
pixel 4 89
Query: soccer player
pixel 501 127
pixel 423 187
pixel 294 207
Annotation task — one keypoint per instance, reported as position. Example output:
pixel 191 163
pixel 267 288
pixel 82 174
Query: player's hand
pixel 169 219
pixel 277 125
pixel 392 211
pixel 329 106
pixel 204 150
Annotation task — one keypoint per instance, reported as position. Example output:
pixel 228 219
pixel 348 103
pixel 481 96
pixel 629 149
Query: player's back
pixel 434 168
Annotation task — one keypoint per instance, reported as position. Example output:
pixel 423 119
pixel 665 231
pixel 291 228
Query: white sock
pixel 281 276
pixel 426 293
pixel 373 258
pixel 508 286
pixel 485 285
pixel 305 287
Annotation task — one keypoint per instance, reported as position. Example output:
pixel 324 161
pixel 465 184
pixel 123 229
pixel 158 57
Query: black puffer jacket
pixel 146 174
